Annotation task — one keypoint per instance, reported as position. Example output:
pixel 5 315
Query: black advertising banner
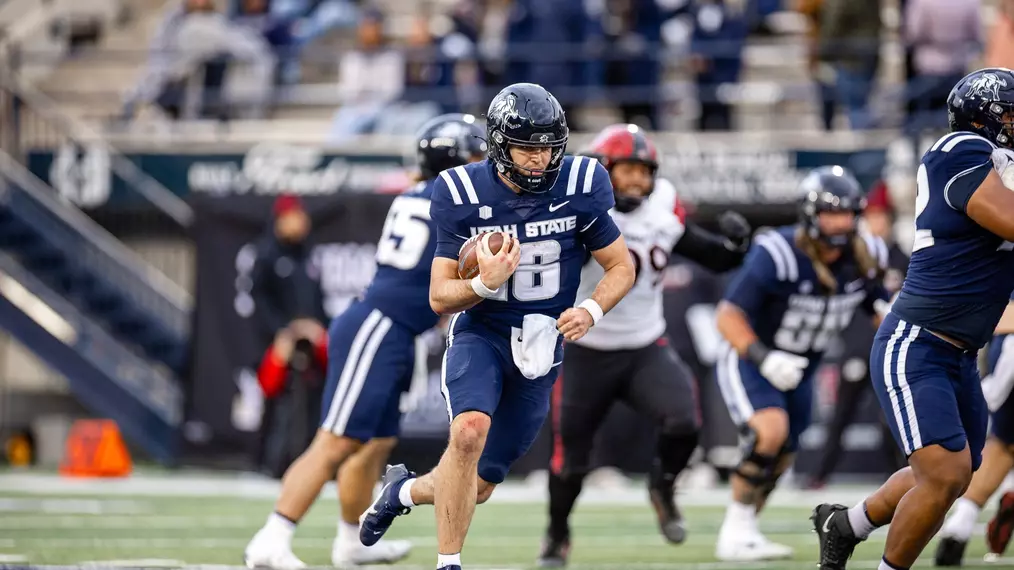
pixel 710 174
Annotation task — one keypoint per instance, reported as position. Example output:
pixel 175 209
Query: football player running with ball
pixel 923 362
pixel 798 289
pixel 504 345
pixel 627 356
pixel 371 348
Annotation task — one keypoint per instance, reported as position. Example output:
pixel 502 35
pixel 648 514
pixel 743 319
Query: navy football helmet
pixel 447 141
pixel 983 103
pixel 829 189
pixel 525 114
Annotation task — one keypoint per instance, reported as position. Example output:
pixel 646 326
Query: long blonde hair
pixel 868 265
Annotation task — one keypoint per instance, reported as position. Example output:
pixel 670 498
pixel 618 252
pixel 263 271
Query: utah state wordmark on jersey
pixel 555 229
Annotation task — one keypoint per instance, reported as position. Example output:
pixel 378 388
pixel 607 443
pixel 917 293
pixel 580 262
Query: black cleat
pixel 381 514
pixel 670 520
pixel 837 540
pixel 554 553
pixel 949 552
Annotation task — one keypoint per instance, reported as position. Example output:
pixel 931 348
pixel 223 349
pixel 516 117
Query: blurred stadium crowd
pixel 388 66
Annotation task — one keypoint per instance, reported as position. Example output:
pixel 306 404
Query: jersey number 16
pixel 537 277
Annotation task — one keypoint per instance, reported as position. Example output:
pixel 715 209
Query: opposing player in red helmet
pixel 627 356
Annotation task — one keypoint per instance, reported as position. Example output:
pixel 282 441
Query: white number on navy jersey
pixel 803 331
pixel 406 233
pixel 797 331
pixel 538 274
pixel 537 277
pixel 923 237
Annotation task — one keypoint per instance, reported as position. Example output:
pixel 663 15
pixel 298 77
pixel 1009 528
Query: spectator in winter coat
pixel 945 36
pixel 717 58
pixel 850 44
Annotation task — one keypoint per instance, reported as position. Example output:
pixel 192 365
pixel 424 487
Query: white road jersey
pixel 651 231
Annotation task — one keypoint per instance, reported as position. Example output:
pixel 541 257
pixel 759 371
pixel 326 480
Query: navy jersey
pixel 960 275
pixel 401 286
pixel 778 290
pixel 555 229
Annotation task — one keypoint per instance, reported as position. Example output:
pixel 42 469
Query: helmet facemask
pixel 844 217
pixel 1001 115
pixel 524 176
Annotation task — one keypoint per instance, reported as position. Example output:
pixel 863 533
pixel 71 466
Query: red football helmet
pixel 625 143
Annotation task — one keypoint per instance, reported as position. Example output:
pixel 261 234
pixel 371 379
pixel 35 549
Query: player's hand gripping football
pixel 574 323
pixel 496 269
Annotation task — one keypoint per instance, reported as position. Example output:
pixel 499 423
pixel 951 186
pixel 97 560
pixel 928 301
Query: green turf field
pixel 57 527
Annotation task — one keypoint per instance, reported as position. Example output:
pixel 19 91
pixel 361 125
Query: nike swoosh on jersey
pixel 555 207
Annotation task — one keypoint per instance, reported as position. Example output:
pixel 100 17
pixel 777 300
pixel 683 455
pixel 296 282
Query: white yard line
pixel 151 543
pixel 779 565
pixel 703 525
pixel 138 563
pixel 70 506
pixel 246 487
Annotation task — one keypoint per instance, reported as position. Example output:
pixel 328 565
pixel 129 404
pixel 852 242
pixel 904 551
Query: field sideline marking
pixel 513 492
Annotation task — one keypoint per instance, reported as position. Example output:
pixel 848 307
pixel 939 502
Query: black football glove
pixel 736 230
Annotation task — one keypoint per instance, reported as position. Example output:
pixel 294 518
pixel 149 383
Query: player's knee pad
pixel 679 426
pixel 758 469
pixel 768 486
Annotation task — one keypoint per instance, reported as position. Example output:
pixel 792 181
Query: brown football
pixel 468 260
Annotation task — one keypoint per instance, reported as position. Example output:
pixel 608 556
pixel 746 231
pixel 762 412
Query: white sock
pixel 961 523
pixel 280 527
pixel 348 535
pixel 861 524
pixel 445 560
pixel 739 515
pixel 405 494
pixel 885 566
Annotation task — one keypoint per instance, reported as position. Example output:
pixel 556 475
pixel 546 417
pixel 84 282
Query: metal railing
pixel 139 281
pixel 37 121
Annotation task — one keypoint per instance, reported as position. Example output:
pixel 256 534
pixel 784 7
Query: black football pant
pixel 652 380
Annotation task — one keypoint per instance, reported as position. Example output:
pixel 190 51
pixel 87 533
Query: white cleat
pixel 749 547
pixel 384 552
pixel 267 554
